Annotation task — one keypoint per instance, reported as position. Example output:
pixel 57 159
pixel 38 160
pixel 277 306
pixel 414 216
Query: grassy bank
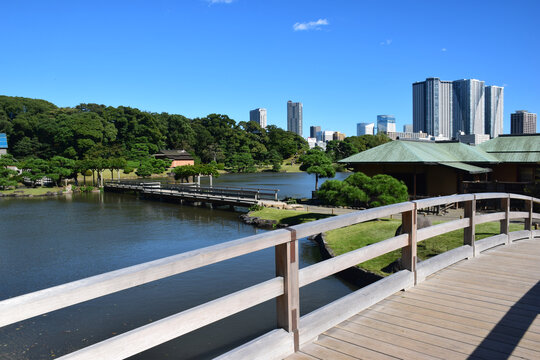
pixel 353 237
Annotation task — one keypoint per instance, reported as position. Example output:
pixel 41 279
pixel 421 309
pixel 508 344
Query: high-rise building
pixel 313 130
pixel 327 136
pixel 386 123
pixel 522 122
pixel 338 136
pixel 494 110
pixel 294 117
pixel 468 107
pixel 258 116
pixel 408 128
pixel 364 129
pixel 432 107
pixel 449 108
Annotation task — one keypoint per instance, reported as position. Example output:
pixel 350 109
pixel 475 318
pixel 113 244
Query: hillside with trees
pixel 40 129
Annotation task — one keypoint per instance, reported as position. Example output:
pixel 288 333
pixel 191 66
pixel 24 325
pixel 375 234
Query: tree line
pixel 40 129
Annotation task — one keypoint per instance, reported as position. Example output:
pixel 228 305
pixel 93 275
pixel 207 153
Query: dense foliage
pixel 40 129
pixel 363 191
pixel 340 149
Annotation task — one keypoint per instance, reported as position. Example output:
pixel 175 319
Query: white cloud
pixel 219 1
pixel 443 49
pixel 386 42
pixel 312 25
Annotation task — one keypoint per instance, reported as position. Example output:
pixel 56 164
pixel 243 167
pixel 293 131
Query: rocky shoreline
pixel 353 275
pixel 261 223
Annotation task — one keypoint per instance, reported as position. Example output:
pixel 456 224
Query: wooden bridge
pixel 484 307
pixel 222 195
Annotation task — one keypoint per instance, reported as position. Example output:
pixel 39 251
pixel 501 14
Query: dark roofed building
pixel 506 163
pixel 427 168
pixel 519 157
pixel 178 157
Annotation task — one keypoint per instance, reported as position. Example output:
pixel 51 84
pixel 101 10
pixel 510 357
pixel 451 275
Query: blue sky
pixel 346 61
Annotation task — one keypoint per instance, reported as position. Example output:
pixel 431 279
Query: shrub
pixel 362 191
pixel 256 207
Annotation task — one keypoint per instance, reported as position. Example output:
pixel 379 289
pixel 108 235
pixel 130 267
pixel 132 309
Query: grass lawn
pixel 353 237
pixel 289 217
pixel 33 191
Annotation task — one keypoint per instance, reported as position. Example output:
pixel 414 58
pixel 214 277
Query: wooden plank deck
pixel 485 308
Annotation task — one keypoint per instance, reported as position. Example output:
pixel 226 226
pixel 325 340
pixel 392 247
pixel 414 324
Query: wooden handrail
pixel 289 278
pixel 57 297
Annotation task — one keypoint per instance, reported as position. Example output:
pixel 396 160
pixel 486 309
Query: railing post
pixel 470 231
pixel 505 223
pixel 408 253
pixel 288 304
pixel 529 220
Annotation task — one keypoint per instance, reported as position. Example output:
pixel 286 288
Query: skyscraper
pixel 408 128
pixel 386 123
pixel 522 122
pixel 364 129
pixel 294 117
pixel 432 107
pixel 259 116
pixel 313 130
pixel 494 110
pixel 451 107
pixel 468 106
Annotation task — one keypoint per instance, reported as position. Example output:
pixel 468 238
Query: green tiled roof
pixel 422 152
pixel 517 148
pixel 471 169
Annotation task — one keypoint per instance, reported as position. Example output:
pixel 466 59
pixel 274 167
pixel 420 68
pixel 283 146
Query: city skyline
pixel 69 53
pixel 450 108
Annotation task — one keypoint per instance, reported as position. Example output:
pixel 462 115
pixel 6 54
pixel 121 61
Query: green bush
pixel 256 207
pixel 362 191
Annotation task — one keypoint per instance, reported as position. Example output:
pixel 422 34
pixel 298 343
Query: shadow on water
pixel 509 331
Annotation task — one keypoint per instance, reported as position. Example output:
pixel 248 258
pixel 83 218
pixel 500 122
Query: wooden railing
pixel 293 331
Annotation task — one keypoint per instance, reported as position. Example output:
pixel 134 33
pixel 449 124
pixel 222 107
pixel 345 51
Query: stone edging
pixel 354 275
pixel 261 223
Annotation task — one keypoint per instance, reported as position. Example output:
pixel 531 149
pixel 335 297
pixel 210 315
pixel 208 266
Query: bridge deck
pixel 485 308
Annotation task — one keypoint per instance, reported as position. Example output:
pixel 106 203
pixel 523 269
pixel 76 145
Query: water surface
pixel 50 241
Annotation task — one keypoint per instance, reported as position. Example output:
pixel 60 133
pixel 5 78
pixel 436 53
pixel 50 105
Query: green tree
pixel 34 169
pixel 61 168
pixel 316 162
pixel 151 166
pixel 8 177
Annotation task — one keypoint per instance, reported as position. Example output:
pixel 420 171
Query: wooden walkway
pixel 485 308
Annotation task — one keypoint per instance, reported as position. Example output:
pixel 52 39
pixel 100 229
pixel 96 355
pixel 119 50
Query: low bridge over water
pixel 221 195
pixel 479 300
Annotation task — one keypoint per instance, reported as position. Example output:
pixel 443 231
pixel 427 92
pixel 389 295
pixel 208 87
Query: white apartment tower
pixel 365 129
pixel 468 106
pixel 494 110
pixel 294 117
pixel 258 116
